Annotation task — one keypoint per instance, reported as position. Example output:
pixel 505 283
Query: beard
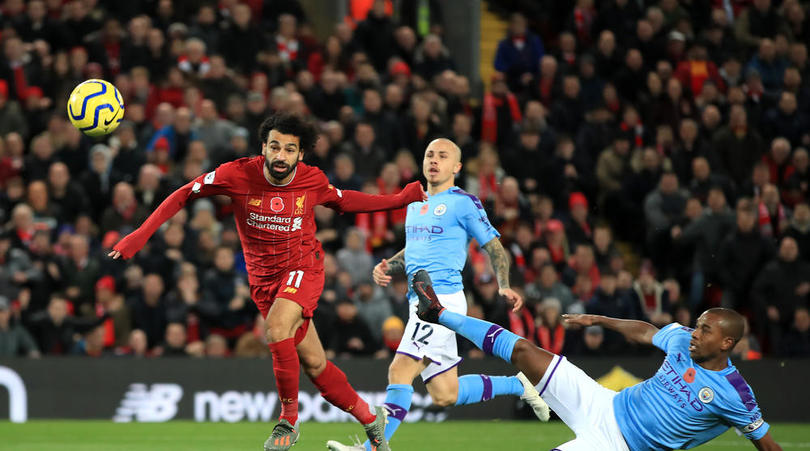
pixel 278 173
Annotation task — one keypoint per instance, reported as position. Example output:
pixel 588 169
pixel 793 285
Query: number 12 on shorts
pixel 295 276
pixel 426 328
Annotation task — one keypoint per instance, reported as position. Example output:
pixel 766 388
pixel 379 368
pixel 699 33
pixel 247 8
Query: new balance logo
pixel 291 290
pixel 143 404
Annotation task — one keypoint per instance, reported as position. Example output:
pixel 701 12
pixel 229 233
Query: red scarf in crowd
pixel 638 132
pixel 487 186
pixel 766 227
pixel 551 343
pixel 521 323
pixel 489 120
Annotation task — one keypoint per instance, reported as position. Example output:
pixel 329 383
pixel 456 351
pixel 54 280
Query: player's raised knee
pixel 444 399
pixel 522 350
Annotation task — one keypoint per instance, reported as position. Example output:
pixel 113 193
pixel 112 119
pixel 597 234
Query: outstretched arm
pixel 348 201
pixel 209 184
pixel 133 242
pixel 500 263
pixel 387 268
pixel 766 443
pixel 634 331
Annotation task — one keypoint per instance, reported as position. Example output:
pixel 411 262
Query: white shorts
pixel 584 406
pixel 433 341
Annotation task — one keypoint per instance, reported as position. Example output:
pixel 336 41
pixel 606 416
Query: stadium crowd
pixel 641 159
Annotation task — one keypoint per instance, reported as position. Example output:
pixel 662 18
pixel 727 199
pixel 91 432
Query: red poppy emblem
pixel 424 209
pixel 689 375
pixel 276 204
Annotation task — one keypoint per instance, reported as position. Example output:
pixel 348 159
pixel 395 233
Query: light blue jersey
pixel 684 405
pixel 437 234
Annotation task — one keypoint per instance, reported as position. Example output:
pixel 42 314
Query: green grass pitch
pixel 448 436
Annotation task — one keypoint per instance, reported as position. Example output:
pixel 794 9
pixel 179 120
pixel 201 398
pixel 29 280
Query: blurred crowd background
pixel 643 159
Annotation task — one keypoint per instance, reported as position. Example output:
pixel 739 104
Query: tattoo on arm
pixel 396 264
pixel 500 261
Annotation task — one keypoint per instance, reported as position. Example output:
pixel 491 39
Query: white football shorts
pixel 584 406
pixel 433 341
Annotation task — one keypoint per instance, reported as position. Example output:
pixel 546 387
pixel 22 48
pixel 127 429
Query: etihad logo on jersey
pixel 255 202
pixel 677 387
pixel 274 223
pixel 299 205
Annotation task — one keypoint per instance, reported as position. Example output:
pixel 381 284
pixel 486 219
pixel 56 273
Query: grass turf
pixel 448 436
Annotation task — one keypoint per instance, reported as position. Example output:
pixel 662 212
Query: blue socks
pixel 397 402
pixel 491 338
pixel 475 388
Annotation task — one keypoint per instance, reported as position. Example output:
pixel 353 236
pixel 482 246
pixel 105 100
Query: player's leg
pixel 329 379
pixel 401 373
pixel 282 320
pixel 489 337
pixel 448 389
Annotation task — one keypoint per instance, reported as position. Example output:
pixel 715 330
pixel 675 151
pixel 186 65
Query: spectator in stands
pixel 54 328
pixel 796 341
pixel 110 303
pixel 375 36
pixel 373 307
pixel 432 58
pixel 216 346
pixel 706 233
pixel 787 120
pixel 742 255
pixel 519 54
pixel 799 229
pixel 12 118
pixel 608 301
pixel 364 150
pixel 613 166
pixel 124 213
pixel 738 146
pixel 500 112
pixel 780 288
pixel 229 310
pixel 81 270
pixel 244 40
pixel 174 344
pixel 14 338
pixel 550 333
pixel 774 218
pixel 351 334
pixel 759 21
pixel 797 186
pixel 66 193
pixel 354 258
pixel 149 310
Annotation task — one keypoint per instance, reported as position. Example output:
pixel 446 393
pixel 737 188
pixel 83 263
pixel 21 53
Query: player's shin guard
pixel 335 388
pixel 475 388
pixel 397 402
pixel 491 338
pixel 286 369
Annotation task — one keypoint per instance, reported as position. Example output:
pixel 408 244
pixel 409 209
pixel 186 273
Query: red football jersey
pixel 275 222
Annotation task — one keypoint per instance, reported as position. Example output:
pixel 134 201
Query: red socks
pixel 335 388
pixel 286 368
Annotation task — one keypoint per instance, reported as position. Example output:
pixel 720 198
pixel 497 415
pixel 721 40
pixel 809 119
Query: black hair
pixel 290 125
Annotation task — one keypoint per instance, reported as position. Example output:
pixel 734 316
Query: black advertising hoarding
pixel 231 390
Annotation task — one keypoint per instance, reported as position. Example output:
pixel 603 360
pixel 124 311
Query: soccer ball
pixel 95 107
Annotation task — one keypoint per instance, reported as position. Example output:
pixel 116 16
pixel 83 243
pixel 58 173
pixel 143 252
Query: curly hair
pixel 290 125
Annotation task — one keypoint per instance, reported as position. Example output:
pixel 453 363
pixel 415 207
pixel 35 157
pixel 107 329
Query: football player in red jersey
pixel 273 198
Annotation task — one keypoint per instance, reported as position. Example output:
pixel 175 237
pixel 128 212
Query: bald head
pixel 731 323
pixel 440 144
